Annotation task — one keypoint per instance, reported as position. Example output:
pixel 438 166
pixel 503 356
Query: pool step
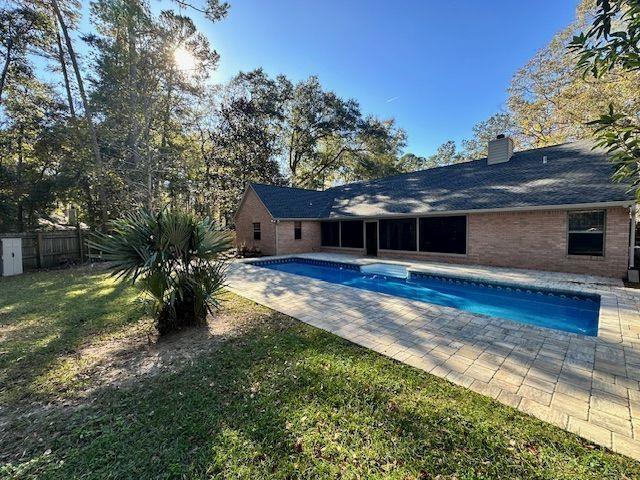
pixel 386 269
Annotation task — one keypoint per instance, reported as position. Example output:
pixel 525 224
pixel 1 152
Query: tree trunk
pixel 87 114
pixel 167 117
pixel 5 69
pixel 65 74
pixel 132 59
pixel 18 191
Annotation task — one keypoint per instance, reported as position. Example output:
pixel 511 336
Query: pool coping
pixel 609 328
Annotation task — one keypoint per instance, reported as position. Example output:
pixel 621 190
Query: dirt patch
pixel 137 353
pixel 116 363
pixel 80 378
pixel 142 354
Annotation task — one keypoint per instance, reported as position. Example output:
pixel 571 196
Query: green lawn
pixel 280 400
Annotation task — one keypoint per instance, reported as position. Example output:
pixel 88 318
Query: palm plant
pixel 174 257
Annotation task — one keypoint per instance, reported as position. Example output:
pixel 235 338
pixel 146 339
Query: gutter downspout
pixel 632 236
pixel 276 222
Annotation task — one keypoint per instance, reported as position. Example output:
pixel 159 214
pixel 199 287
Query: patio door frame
pixel 377 230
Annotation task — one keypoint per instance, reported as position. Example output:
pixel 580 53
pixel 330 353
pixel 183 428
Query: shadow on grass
pixel 46 315
pixel 286 400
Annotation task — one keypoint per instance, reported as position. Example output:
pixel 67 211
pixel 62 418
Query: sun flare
pixel 185 61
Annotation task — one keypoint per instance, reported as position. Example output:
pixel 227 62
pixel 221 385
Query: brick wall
pixel 310 241
pixel 252 210
pixel 536 240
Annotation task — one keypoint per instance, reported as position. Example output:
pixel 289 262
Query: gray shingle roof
pixel 288 202
pixel 574 174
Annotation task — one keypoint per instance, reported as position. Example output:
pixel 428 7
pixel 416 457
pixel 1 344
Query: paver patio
pixel 587 385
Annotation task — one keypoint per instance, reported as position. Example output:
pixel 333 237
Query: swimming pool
pixel 561 310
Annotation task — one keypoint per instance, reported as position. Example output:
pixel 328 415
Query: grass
pixel 45 316
pixel 282 400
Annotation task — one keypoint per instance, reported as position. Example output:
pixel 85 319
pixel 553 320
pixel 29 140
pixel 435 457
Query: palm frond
pixel 175 258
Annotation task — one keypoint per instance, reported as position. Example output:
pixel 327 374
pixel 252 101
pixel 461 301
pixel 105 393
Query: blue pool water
pixel 577 313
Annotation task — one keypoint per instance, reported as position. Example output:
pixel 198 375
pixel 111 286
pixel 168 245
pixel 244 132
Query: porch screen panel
pixel 398 234
pixel 330 234
pixel 443 234
pixel 352 236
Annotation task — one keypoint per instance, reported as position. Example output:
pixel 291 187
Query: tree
pixel 31 156
pixel 240 139
pixel 63 68
pixel 213 10
pixel 20 29
pixel 314 119
pixel 51 47
pixel 446 154
pixel 375 153
pixel 136 123
pixel 499 123
pixel 149 73
pixel 611 45
pixel 88 115
pixel 410 162
pixel 550 101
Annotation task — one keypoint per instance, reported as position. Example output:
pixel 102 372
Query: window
pixel 256 231
pixel 398 234
pixel 443 234
pixel 330 234
pixel 297 230
pixel 586 233
pixel 352 236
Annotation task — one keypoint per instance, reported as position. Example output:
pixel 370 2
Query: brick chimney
pixel 500 150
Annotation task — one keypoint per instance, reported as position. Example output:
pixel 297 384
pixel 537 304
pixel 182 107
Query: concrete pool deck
pixel 587 385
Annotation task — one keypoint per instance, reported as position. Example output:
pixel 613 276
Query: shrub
pixel 245 251
pixel 174 257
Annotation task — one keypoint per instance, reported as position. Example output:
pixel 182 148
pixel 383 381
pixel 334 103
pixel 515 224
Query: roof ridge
pixel 413 172
pixel 286 186
pixel 437 167
pixel 574 174
pixel 422 170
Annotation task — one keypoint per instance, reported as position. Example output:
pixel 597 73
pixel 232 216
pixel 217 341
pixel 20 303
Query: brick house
pixel 553 208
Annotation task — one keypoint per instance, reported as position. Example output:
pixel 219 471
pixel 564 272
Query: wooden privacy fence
pixel 51 249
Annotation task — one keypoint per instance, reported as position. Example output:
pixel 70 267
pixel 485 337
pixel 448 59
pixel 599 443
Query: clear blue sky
pixel 437 67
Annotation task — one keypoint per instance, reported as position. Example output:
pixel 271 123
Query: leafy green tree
pixel 213 10
pixel 241 139
pixel 326 139
pixel 551 102
pixel 446 154
pixel 174 257
pixel 87 110
pixel 318 130
pixel 52 47
pixel 376 151
pixel 323 139
pixel 612 45
pixel 149 71
pixel 21 28
pixel 30 167
pixel 410 162
pixel 499 123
